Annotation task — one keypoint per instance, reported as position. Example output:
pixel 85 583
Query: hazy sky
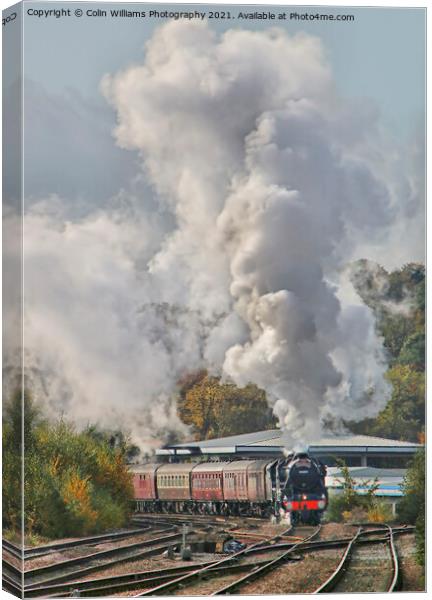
pixel 378 59
pixel 379 56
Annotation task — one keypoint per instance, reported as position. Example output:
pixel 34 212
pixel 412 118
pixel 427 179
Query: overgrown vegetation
pixel 398 301
pixel 349 505
pixel 216 409
pixel 411 509
pixel 75 483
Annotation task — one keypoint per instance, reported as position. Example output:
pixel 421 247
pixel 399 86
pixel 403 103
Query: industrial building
pixel 389 482
pixel 354 450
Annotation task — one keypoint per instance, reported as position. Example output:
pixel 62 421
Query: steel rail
pixel 58 588
pixel 13 549
pixel 396 581
pixel 196 574
pixel 113 580
pixel 269 566
pixel 9 585
pixel 79 573
pixel 145 525
pixel 334 543
pixel 167 518
pixel 129 581
pixel 38 551
pixel 340 570
pixel 158 546
pixel 56 584
pixel 337 574
pixel 12 569
pixel 108 589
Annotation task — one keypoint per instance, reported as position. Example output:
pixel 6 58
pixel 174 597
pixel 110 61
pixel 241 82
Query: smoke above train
pixel 257 184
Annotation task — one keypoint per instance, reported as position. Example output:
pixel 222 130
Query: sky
pixel 379 56
pixel 379 60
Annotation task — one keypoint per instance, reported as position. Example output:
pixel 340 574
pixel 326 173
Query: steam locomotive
pixel 241 487
pixel 305 493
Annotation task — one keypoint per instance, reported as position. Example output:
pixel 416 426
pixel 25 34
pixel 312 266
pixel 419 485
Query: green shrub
pixel 75 483
pixel 411 508
pixel 380 512
pixel 349 505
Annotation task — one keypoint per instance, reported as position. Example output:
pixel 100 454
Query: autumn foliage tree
pixel 398 301
pixel 74 483
pixel 216 409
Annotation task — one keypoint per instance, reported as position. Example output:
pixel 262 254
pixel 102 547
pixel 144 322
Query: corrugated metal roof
pixel 244 439
pixel 274 438
pixel 368 472
pixel 361 440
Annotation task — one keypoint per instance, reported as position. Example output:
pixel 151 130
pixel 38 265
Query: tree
pixel 217 409
pixel 398 301
pixel 19 421
pixel 116 439
pixel 411 509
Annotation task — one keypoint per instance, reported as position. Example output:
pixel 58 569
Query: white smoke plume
pixel 263 190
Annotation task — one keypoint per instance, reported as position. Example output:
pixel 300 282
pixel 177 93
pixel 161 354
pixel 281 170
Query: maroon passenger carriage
pixel 238 487
pixel 207 486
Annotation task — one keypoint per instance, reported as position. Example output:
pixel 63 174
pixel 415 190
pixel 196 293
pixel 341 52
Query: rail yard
pixel 187 555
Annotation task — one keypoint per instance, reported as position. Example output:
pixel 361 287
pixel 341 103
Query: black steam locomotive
pixel 304 492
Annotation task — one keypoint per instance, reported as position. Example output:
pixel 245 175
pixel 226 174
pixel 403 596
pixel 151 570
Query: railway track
pixel 199 573
pixel 66 570
pixel 262 570
pixel 333 583
pixel 195 520
pixel 178 577
pixel 75 568
pixel 134 580
pixel 27 553
pixel 38 580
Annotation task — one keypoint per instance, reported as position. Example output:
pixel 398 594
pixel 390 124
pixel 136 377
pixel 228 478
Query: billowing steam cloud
pixel 262 191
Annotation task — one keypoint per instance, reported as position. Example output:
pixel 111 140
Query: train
pixel 295 485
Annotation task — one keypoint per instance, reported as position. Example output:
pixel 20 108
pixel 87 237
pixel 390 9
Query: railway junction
pixel 190 554
pixel 146 560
